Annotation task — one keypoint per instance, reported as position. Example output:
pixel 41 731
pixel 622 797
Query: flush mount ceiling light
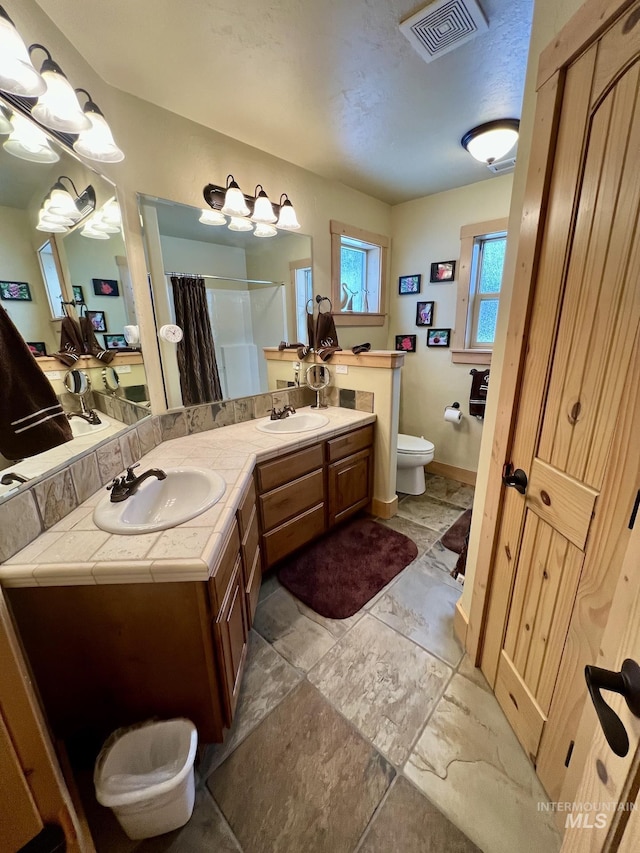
pixel 28 142
pixel 287 219
pixel 212 217
pixel 262 207
pixel 17 74
pixel 234 201
pixel 96 142
pixel 491 141
pixel 58 107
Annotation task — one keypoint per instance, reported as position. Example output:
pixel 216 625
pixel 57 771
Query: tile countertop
pixel 76 552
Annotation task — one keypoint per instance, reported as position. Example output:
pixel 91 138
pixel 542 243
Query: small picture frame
pixel 98 320
pixel 78 295
pixel 105 287
pixel 406 343
pixel 443 271
pixel 38 348
pixel 409 284
pixel 438 337
pixel 424 313
pixel 15 290
pixel 115 342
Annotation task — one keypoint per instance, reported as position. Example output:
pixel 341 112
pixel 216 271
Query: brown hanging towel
pixel 31 419
pixel 478 395
pixel 90 342
pixel 326 334
pixel 71 345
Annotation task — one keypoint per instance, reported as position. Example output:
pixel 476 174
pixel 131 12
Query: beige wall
pixel 424 231
pixel 548 19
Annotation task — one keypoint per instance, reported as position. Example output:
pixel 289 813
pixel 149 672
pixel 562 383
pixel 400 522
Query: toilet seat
pixel 412 445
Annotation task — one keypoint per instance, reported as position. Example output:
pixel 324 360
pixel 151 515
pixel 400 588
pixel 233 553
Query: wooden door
pixel 607 778
pixel 560 545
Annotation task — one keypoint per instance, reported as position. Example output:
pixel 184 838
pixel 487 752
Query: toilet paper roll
pixel 132 335
pixel 453 416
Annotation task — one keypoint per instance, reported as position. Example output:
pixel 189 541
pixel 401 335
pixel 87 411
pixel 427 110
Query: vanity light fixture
pixel 61 201
pixel 111 212
pixel 262 207
pixel 97 142
pixel 262 229
pixel 61 208
pixel 287 220
pixel 212 217
pixel 58 107
pixel 28 142
pixel 491 141
pixel 239 223
pixel 17 74
pixel 93 233
pixel 234 201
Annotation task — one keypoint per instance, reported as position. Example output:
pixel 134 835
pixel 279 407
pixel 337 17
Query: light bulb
pixel 212 217
pixel 96 142
pixel 28 142
pixel 264 230
pixel 17 74
pixel 234 202
pixel 287 219
pixel 262 208
pixel 239 224
pixel 58 108
pixel 63 203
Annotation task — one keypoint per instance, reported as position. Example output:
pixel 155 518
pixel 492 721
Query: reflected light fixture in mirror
pixel 28 142
pixel 264 230
pixel 17 73
pixel 226 200
pixel 491 141
pixel 212 217
pixel 61 209
pixel 238 223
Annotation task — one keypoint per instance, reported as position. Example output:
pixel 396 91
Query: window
pixel 482 255
pixel 49 266
pixel 358 275
pixel 302 278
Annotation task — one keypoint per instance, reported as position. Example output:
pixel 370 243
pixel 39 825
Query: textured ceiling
pixel 330 85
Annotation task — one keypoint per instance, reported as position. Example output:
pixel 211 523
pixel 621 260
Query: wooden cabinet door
pixel 560 544
pixel 231 636
pixel 349 485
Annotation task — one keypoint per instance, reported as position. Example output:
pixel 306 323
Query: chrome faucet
pixel 123 487
pixel 90 416
pixel 279 414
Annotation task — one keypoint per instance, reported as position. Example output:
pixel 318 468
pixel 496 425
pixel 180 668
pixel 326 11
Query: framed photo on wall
pixel 98 320
pixel 424 313
pixel 438 337
pixel 443 271
pixel 15 290
pixel 37 348
pixel 78 295
pixel 115 342
pixel 105 287
pixel 406 343
pixel 409 284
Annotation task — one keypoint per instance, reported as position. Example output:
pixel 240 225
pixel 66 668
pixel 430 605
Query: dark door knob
pixel 627 684
pixel 516 479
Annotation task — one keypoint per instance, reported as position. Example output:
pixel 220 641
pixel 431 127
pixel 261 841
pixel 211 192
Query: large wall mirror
pixel 45 276
pixel 256 292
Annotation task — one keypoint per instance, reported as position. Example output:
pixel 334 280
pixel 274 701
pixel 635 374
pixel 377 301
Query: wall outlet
pixel 342 368
pixel 124 368
pixel 53 374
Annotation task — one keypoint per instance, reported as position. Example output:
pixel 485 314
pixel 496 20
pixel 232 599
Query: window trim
pixel 356 318
pixel 460 353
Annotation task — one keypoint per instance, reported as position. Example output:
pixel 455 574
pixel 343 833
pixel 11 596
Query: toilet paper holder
pixel 453 406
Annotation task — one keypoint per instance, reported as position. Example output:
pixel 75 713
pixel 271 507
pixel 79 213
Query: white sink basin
pixel 300 422
pixel 81 427
pixel 159 504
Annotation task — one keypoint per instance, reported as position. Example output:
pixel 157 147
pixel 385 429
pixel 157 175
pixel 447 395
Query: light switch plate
pixel 53 374
pixel 124 368
pixel 342 368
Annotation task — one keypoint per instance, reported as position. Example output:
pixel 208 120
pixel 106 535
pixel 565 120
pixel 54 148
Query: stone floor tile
pixel 267 679
pixel 470 765
pixel 385 684
pixel 304 779
pixel 423 536
pixel 473 673
pixel 421 606
pixel 449 491
pixel 269 585
pixel 444 561
pixel 429 512
pixel 409 823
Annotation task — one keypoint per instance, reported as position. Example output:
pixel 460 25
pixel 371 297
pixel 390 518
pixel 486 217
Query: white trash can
pixel 145 775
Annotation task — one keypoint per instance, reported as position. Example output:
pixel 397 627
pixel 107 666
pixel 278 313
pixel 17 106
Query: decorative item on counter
pixel 132 335
pixel 424 313
pixel 318 377
pixel 406 343
pixel 438 337
pixel 105 287
pixel 15 290
pixel 409 284
pixel 442 271
pixel 115 342
pixel 170 332
pixel 452 413
pixel 37 348
pixel 358 348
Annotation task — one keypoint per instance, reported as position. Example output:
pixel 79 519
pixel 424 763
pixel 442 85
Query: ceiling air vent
pixel 444 25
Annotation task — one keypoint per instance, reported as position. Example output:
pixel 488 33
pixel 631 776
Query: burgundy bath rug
pixel 455 537
pixel 338 574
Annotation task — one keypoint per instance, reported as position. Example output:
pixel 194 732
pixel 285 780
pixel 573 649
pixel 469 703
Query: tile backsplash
pixel 37 506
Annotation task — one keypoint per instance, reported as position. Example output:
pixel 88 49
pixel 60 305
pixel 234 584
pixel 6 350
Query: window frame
pixel 461 353
pixel 357 318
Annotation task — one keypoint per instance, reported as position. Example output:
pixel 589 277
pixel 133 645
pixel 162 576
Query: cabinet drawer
pixel 250 542
pixel 246 508
pixel 219 582
pixel 283 470
pixel 293 534
pixel 252 588
pixel 345 445
pixel 291 499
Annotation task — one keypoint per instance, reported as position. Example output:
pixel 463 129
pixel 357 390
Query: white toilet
pixel 413 454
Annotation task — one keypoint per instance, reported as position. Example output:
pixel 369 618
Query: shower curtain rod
pixel 226 278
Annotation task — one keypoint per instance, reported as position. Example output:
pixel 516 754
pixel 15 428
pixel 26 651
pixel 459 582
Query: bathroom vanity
pixel 114 640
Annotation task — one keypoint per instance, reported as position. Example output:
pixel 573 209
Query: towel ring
pixel 319 300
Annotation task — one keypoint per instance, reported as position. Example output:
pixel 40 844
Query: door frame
pixel 581 31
